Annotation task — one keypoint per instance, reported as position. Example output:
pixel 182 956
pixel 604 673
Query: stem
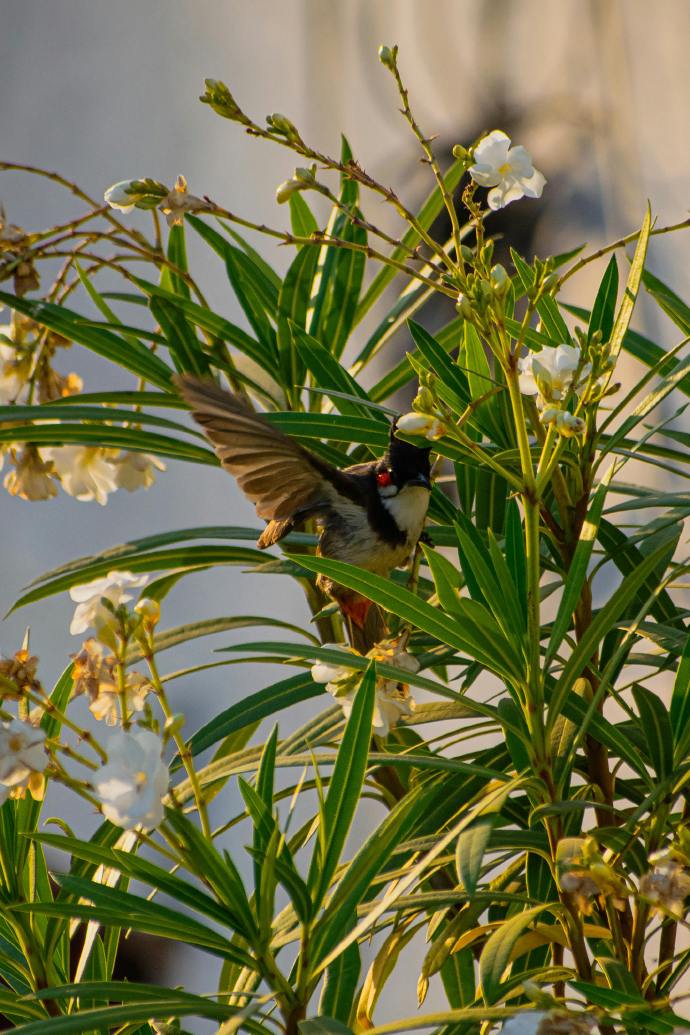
pixel 431 159
pixel 182 749
pixel 620 243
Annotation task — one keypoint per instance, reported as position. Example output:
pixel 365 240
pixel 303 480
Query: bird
pixel 371 515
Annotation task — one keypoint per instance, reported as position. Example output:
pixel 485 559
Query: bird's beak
pixel 419 479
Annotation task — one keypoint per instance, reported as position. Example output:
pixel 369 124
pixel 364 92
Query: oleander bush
pixel 523 723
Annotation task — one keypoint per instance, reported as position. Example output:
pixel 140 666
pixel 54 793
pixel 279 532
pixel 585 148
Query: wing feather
pixel 276 473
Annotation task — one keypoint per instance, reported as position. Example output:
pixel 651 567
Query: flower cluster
pixel 552 375
pixel 94 674
pixel 84 472
pixel 393 698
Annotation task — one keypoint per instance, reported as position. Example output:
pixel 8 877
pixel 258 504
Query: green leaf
pixel 470 849
pixel 340 983
pixel 128 354
pixel 680 702
pixel 656 726
pixel 437 357
pixel 632 287
pixel 323 1026
pixel 604 307
pixel 605 620
pixel 496 953
pixel 335 304
pixel 302 220
pixel 328 373
pixel 185 347
pixel 345 787
pixel 674 307
pixel 249 710
pixel 140 561
pixel 102 435
pixel 577 572
pixel 475 632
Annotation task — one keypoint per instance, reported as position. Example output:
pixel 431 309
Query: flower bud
pixel 129 194
pixel 425 424
pixel 464 307
pixel 461 153
pixel 278 123
pixel 500 281
pixel 424 401
pixel 149 611
pixel 219 98
pixel 388 57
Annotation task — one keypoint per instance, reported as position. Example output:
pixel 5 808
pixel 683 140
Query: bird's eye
pixel 384 478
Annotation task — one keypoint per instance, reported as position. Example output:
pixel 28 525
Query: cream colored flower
pixel 553 372
pixel 330 673
pixel 31 478
pixel 426 424
pixel 90 611
pixel 136 470
pixel 178 201
pixel 22 752
pixel 85 472
pixel 133 782
pixel 667 885
pixel 507 170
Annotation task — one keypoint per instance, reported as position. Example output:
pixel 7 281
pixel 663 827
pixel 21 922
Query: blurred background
pixel 598 91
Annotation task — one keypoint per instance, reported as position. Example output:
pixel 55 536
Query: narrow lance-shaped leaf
pixel 346 785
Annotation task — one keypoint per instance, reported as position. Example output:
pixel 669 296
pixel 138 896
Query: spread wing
pixel 276 473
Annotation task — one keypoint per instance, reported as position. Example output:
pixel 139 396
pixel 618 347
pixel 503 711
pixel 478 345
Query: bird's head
pixel 404 467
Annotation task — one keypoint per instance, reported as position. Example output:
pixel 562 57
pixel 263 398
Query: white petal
pixel 534 184
pixel 485 175
pixel 492 149
pixel 520 161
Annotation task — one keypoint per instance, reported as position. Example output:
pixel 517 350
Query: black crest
pixel 406 460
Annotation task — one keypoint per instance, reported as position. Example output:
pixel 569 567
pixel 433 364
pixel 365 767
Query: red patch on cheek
pixel 383 478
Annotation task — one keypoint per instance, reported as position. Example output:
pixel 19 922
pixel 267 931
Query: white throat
pixel 408 509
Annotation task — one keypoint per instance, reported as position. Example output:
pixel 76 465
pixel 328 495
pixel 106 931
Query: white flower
pixel 90 611
pixel 330 673
pixel 551 372
pixel 393 699
pixel 507 170
pixel 85 472
pixel 567 424
pixel 22 752
pixel 136 470
pixel 425 424
pixel 133 782
pixel 14 372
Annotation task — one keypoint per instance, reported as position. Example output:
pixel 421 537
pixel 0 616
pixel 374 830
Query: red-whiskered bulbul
pixel 371 514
